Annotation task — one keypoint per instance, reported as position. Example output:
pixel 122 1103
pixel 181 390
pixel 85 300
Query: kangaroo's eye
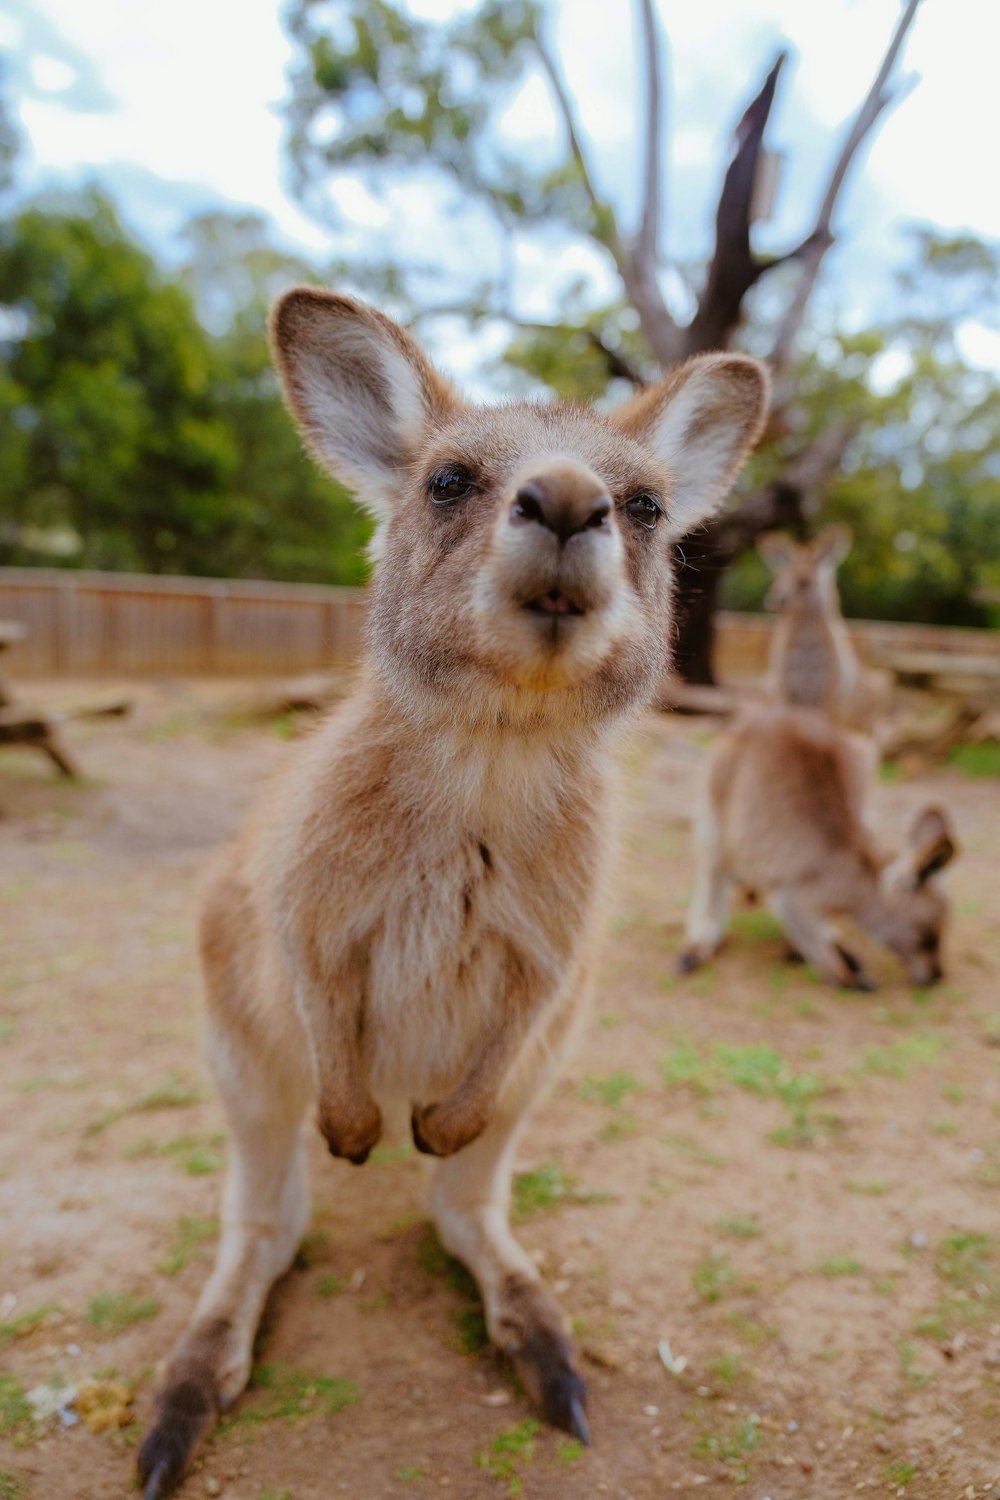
pixel 645 509
pixel 450 483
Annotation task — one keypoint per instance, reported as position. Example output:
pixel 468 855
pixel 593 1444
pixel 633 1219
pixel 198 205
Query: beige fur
pixel 408 925
pixel 813 662
pixel 784 814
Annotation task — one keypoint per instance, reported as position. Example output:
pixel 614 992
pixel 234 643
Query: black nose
pixel 559 511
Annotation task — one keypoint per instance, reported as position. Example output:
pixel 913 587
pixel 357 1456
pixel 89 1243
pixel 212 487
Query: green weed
pixel 739 1228
pixel 610 1090
pixel 27 1322
pixel 111 1313
pixel 509 1453
pixel 898 1058
pixel 977 760
pixel 189 1235
pixel 283 1393
pixel 839 1265
pixel 712 1276
pixel 17 1417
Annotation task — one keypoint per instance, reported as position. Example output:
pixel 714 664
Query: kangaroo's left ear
pixel 700 422
pixel 932 842
pixel 831 546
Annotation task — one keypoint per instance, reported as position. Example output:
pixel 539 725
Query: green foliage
pixel 189 1236
pixel 133 438
pixel 509 1453
pixel 27 1322
pixel 111 1313
pixel 284 1393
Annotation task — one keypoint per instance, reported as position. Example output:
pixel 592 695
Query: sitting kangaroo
pixel 812 660
pixel 784 814
pixel 408 924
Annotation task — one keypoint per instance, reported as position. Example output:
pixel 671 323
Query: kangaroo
pixel 784 813
pixel 408 924
pixel 812 661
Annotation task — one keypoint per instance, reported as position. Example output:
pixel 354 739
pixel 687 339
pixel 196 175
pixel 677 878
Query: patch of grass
pixel 409 1475
pixel 610 1090
pixel 712 1276
pixel 385 1156
pixel 283 1393
pixel 329 1285
pixel 977 760
pixel 470 1330
pixel 13 1486
pixel 194 1154
pixel 687 1146
pixel 172 1092
pixel 621 1128
pixel 866 1189
pixel 760 926
pixel 609 1019
pixel 549 1187
pixel 756 1067
pixel 941 1125
pixel 965 1259
pixel 915 1376
pixel 726 1369
pixel 399 1224
pixel 17 1417
pixel 111 1313
pixel 729 1447
pixel 954 1093
pixel 27 1322
pixel 314 1246
pixel 739 1228
pixel 189 1235
pixel 752 1333
pixel 684 1067
pixel 900 1474
pixel 898 1058
pixel 509 1453
pixel 839 1265
pixel 932 1326
pixel 569 1451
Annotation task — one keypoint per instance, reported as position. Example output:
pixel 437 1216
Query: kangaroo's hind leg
pixel 470 1202
pixel 266 1084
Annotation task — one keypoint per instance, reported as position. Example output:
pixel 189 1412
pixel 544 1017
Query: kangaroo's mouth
pixel 554 603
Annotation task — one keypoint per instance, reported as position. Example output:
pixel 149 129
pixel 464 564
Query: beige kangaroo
pixel 784 814
pixel 407 926
pixel 812 660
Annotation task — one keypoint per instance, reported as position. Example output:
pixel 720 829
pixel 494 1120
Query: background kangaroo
pixel 408 924
pixel 812 661
pixel 784 813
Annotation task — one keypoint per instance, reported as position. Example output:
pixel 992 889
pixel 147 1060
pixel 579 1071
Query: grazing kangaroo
pixel 812 661
pixel 407 927
pixel 784 813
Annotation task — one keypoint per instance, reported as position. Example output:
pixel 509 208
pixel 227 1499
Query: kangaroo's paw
pixel 442 1129
pixel 351 1133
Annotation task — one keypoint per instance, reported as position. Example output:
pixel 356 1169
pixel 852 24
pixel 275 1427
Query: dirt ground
pixel 797 1189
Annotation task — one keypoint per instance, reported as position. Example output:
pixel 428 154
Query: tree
pixel 380 95
pixel 133 438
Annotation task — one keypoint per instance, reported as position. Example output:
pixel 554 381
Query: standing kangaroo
pixel 409 922
pixel 812 661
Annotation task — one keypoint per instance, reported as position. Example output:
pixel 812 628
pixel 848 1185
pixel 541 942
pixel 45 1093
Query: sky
pixel 175 107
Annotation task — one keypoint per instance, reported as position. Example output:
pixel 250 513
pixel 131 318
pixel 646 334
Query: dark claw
pixel 688 961
pixel 360 1157
pixel 159 1483
pixel 564 1403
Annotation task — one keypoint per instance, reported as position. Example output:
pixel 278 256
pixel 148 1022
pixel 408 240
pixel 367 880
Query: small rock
pixel 212 1485
pixel 651 1411
pixel 991 1357
pixel 882 1443
pixel 918 1240
pixel 792 1426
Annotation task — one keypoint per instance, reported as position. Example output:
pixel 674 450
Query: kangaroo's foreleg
pixel 333 1012
pixel 470 1201
pixel 813 937
pixel 443 1128
pixel 265 1210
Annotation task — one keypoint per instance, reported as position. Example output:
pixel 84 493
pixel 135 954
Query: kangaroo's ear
pixel 778 550
pixel 831 546
pixel 932 843
pixel 700 422
pixel 360 389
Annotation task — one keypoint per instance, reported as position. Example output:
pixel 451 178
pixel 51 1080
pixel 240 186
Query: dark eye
pixel 929 942
pixel 645 509
pixel 450 483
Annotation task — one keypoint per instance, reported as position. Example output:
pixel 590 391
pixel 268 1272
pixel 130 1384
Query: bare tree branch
pixel 647 241
pixel 619 366
pixel 818 242
pixel 605 226
pixel 734 269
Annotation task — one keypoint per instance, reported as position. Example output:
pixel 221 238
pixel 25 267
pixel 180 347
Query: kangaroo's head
pixel 805 574
pixel 523 551
pixel 914 906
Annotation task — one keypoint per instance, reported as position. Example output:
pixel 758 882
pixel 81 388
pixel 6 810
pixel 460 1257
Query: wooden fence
pixel 114 624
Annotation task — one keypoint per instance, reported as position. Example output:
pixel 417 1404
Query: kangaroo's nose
pixel 561 509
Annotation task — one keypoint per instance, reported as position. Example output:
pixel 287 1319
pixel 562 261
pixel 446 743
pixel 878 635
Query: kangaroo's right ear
pixel 831 546
pixel 777 550
pixel 362 392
